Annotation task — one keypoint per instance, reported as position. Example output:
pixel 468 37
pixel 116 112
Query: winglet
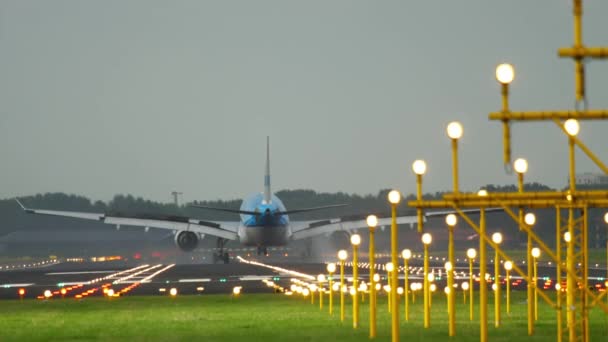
pixel 21 204
pixel 27 210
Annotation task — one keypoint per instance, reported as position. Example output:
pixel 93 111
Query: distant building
pixel 588 178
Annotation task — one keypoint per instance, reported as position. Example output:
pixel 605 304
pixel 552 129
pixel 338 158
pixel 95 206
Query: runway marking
pixel 278 269
pixel 148 278
pixel 16 285
pixel 83 272
pixel 201 280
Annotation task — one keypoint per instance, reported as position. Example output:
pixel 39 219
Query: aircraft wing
pixel 306 229
pixel 222 229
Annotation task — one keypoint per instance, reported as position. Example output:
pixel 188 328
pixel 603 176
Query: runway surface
pixel 85 279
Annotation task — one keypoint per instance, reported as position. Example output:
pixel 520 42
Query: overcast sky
pixel 146 97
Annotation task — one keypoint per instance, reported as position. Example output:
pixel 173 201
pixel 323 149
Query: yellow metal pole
pixel 320 296
pixel 570 262
pixel 483 287
pixel 372 290
pixel 331 295
pixel 508 280
pixel 356 287
pixel 506 129
pixel 426 295
pixel 419 197
pixel 497 291
pixel 558 268
pixel 451 292
pixel 388 294
pixel 455 164
pixel 530 299
pixel 535 290
pixel 406 289
pixel 578 42
pixel 395 277
pixel 471 292
pixel 342 290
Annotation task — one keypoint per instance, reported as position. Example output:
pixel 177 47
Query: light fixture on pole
pixel 394 197
pixel 471 254
pixel 521 167
pixel 535 255
pixel 331 268
pixel 497 239
pixel 321 280
pixel 419 168
pixel 455 131
pixel 342 255
pixel 426 240
pixel 505 75
pixel 406 254
pixel 372 223
pixel 355 240
pixel 508 268
pixel 451 221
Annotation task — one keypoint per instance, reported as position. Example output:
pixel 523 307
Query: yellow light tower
pixel 426 240
pixel 331 269
pixel 321 280
pixel 355 240
pixel 372 223
pixel 389 267
pixel 508 268
pixel 394 197
pixel 419 168
pixel 520 165
pixel 535 255
pixel 530 220
pixel 455 131
pixel 471 254
pixel 342 256
pixel 465 288
pixel 406 254
pixel 505 75
pixel 606 284
pixel 497 239
pixel 451 221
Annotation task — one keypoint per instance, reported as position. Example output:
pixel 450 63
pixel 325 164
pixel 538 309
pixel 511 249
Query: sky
pixel 145 97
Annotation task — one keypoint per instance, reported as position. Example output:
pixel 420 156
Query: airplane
pixel 264 222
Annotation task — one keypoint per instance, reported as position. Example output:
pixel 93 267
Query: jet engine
pixel 186 240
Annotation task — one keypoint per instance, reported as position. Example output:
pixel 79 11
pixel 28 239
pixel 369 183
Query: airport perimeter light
pixel 471 254
pixel 419 168
pixel 455 132
pixel 426 240
pixel 372 223
pixel 394 197
pixel 508 267
pixel 497 239
pixel 331 269
pixel 342 255
pixel 406 254
pixel 451 221
pixel 535 254
pixel 355 240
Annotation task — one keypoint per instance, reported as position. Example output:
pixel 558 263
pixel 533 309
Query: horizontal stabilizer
pixel 303 210
pixel 236 211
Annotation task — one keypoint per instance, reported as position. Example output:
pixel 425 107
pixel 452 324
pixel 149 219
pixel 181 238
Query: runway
pixel 77 279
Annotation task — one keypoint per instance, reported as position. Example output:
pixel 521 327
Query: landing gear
pixel 262 250
pixel 221 255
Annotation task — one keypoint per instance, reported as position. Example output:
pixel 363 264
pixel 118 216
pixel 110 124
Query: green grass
pixel 252 317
